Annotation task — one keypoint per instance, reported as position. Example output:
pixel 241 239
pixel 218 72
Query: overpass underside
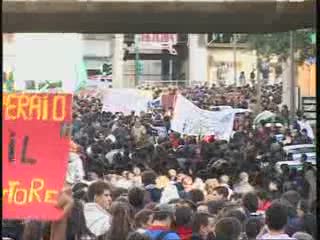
pixel 157 16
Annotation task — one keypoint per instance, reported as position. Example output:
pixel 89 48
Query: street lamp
pixel 234 40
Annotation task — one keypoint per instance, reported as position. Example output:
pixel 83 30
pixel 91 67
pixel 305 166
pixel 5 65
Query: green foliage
pixel 107 68
pixel 278 44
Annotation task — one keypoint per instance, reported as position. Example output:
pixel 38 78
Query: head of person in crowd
pixel 276 218
pixel 235 212
pixel 149 177
pixel 183 217
pixel 172 174
pixel 210 184
pixel 163 222
pixel 143 219
pixel 196 196
pixel 201 226
pixel 228 228
pixel 79 191
pixel 291 199
pixel 121 223
pixel 214 207
pixel 302 236
pixel 187 183
pixel 220 193
pixel 250 202
pixel 308 220
pixel 202 207
pixel 136 197
pixel 100 193
pixel 252 228
pixel 138 236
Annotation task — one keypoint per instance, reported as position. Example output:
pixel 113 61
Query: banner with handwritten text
pixel 36 140
pixel 190 120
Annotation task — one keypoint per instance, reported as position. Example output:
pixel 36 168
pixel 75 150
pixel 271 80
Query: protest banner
pixel 126 100
pixel 190 120
pixel 35 154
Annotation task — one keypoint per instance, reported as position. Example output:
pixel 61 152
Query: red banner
pixel 35 150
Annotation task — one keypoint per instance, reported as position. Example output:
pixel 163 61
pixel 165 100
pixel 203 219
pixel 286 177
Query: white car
pixel 296 151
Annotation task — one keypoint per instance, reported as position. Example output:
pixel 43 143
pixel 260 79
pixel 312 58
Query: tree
pixel 278 44
pixel 268 45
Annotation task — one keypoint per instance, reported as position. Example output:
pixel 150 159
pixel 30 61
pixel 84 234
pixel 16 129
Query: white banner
pixel 126 100
pixel 191 120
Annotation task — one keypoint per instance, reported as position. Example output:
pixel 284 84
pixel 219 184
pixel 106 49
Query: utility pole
pixel 258 85
pixel 136 49
pixel 292 75
pixel 117 62
pixel 234 41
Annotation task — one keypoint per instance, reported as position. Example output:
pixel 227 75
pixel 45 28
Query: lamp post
pixel 234 44
pixel 136 48
pixel 292 73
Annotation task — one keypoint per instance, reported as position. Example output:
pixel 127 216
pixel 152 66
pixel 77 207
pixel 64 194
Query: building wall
pixel 97 50
pixel 222 60
pixel 198 60
pixel 9 52
pixel 307 80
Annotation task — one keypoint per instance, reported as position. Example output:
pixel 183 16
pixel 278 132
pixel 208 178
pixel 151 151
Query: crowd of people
pixel 127 180
pixel 205 96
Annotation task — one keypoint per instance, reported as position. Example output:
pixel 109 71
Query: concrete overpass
pixel 196 16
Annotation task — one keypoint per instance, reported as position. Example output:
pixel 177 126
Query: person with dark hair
pixel 136 198
pixel 183 216
pixel 291 199
pixel 304 138
pixel 251 202
pixel 138 236
pixel 306 219
pixel 228 228
pixel 215 206
pixel 220 193
pixel 142 220
pixel 252 228
pixel 121 224
pixel 161 226
pixel 196 195
pixel 202 207
pixel 276 220
pixel 236 213
pixel 200 226
pixel 149 180
pixel 96 210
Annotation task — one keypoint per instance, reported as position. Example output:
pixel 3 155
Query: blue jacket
pixel 153 234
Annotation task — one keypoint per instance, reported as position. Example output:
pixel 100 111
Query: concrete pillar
pixel 286 83
pixel 198 58
pixel 118 80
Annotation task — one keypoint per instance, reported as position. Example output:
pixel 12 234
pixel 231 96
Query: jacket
pixel 184 233
pixel 154 231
